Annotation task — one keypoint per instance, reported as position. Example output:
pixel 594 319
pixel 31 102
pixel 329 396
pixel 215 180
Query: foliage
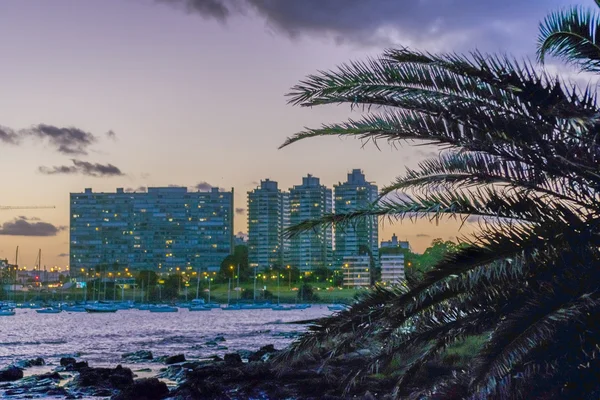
pixel 147 278
pixel 238 258
pixel 573 35
pixel 320 274
pixel 169 290
pixel 521 156
pixel 418 264
pixel 307 293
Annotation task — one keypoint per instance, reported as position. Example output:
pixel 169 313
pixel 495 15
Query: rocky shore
pixel 239 375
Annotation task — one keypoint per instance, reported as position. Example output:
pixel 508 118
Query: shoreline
pixel 238 375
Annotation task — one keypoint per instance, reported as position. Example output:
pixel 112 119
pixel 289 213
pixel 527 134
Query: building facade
pixel 392 268
pixel 162 230
pixel 268 216
pixel 312 249
pixel 356 271
pixel 394 243
pixel 361 237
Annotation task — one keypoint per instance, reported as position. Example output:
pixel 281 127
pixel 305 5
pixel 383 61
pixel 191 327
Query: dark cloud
pixel 63 255
pixel 29 218
pixel 217 9
pixel 422 235
pixel 66 140
pixel 8 136
pixel 22 227
pixel 441 23
pixel 204 186
pixel 111 135
pixel 141 189
pixel 84 168
pixel 240 210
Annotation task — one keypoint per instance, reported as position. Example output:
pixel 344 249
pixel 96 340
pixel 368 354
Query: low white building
pixel 392 268
pixel 356 271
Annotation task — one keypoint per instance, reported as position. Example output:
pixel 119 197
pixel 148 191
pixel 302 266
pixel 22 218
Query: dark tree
pixel 521 155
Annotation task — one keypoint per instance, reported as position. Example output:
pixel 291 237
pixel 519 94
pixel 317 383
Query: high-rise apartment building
pixel 312 249
pixel 360 237
pixel 162 230
pixel 268 216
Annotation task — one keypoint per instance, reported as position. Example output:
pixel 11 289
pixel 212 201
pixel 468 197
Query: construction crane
pixel 24 207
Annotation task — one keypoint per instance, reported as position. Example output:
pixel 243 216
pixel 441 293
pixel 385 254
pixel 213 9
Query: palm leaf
pixel 572 35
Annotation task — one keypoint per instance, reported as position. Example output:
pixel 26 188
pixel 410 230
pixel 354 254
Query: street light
pixel 289 277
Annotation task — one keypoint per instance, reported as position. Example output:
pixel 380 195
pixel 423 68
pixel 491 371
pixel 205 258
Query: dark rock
pixel 219 339
pixel 175 359
pixel 245 353
pixel 102 393
pixel 11 373
pixel 138 355
pixel 50 375
pixel 66 361
pixel 56 391
pixel 210 343
pixel 232 359
pixel 103 378
pixel 80 364
pixel 264 353
pixel 173 373
pixel 36 362
pixel 144 389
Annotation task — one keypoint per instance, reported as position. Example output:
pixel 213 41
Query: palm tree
pixel 521 152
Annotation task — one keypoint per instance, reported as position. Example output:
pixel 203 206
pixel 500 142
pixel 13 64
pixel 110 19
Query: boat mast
pixel 197 285
pixel 229 292
pixel 39 268
pixel 16 273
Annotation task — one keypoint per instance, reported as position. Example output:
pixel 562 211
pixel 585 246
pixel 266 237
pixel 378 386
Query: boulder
pixel 232 359
pixel 79 365
pixel 66 361
pixel 141 355
pixel 173 372
pixel 263 354
pixel 35 362
pixel 178 358
pixel 219 339
pixel 11 373
pixel 144 389
pixel 103 378
pixel 245 354
pixel 50 375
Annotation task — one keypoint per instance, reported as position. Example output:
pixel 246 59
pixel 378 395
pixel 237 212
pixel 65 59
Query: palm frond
pixel 465 169
pixel 494 202
pixel 572 35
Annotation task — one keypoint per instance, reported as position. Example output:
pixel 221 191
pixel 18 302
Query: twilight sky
pixel 137 93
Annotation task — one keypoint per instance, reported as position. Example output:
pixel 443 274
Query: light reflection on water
pixel 101 339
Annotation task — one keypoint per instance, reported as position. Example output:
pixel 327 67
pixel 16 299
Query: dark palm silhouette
pixel 521 153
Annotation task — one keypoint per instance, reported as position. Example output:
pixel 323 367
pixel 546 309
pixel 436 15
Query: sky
pixel 104 94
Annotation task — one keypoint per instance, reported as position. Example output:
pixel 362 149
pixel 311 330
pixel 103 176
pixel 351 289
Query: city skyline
pixel 143 93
